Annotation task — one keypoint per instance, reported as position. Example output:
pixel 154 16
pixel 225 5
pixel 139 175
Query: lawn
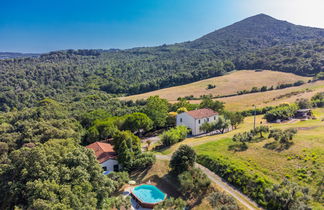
pixel 303 162
pixel 225 85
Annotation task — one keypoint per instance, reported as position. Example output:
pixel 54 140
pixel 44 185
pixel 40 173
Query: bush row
pixel 252 185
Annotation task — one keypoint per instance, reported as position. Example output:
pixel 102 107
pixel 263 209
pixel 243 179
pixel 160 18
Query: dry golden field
pixel 225 85
pixel 271 98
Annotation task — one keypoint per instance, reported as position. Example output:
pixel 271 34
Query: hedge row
pixel 252 185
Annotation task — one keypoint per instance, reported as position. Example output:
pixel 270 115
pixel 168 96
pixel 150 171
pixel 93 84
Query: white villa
pixel 194 119
pixel 106 156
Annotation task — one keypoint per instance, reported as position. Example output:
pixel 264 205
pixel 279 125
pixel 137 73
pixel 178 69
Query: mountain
pixel 8 55
pixel 256 42
pixel 254 33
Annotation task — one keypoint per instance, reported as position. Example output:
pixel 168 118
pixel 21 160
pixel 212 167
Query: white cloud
pixel 301 12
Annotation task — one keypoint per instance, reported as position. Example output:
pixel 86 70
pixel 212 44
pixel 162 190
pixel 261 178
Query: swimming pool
pixel 148 195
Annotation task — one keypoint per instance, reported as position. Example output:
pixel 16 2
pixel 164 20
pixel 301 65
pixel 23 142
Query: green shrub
pixel 287 195
pixel 171 204
pixel 183 159
pixel 221 200
pixel 193 181
pixel 253 185
pixel 283 112
pixel 174 135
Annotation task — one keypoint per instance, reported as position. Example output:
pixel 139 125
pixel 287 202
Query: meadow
pixel 303 162
pixel 225 85
pixel 238 81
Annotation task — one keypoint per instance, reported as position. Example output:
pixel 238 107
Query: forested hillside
pixel 304 58
pixel 256 42
pixel 254 33
pixel 6 55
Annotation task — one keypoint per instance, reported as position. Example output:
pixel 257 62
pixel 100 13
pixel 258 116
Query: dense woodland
pixel 254 43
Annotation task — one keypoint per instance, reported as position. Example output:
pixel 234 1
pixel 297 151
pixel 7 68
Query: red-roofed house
pixel 195 118
pixel 106 155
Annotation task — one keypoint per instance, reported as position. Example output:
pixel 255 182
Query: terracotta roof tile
pixel 202 113
pixel 103 151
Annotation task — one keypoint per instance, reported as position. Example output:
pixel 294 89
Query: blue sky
pixel 43 25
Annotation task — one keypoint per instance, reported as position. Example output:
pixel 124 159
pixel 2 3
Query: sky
pixel 46 25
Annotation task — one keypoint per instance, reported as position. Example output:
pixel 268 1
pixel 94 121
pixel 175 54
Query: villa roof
pixel 202 113
pixel 103 151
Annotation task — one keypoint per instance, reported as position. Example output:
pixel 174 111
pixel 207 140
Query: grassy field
pixel 303 162
pixel 225 85
pixel 272 98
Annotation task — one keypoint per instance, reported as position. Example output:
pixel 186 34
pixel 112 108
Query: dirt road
pixel 243 199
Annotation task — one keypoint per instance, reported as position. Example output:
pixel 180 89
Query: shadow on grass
pixel 160 148
pixel 276 146
pixel 237 147
pixel 258 139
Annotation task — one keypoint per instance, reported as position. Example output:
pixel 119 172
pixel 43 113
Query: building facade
pixel 194 119
pixel 106 156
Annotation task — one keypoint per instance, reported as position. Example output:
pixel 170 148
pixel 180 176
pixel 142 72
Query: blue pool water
pixel 148 193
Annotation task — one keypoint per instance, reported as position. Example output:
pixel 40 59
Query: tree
pixel 221 200
pixel 171 204
pixel 183 159
pixel 101 130
pixel 133 143
pixel 235 118
pixel 182 102
pixel 243 137
pixel 318 100
pixel 89 117
pixel 303 103
pixel 128 148
pixel 171 119
pixel 49 120
pixel 261 129
pixel 181 110
pixel 125 156
pixel 264 88
pixel 207 102
pixel 143 161
pixel 174 135
pixel 57 174
pixel 207 127
pixel 157 110
pixel 221 124
pixel 287 195
pixel 193 181
pixel 136 122
pixel 119 202
pixel 283 136
pixel 282 112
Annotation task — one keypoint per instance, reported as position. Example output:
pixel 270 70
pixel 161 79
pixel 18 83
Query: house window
pixel 180 119
pixel 207 119
pixel 199 121
pixel 116 167
pixel 214 117
pixel 104 168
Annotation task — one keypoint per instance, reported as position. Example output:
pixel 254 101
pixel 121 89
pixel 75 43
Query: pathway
pixel 243 199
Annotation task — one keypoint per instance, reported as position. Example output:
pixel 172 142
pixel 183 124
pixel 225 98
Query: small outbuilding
pixel 304 114
pixel 106 156
pixel 195 118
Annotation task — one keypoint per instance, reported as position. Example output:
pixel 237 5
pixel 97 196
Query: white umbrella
pixel 131 182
